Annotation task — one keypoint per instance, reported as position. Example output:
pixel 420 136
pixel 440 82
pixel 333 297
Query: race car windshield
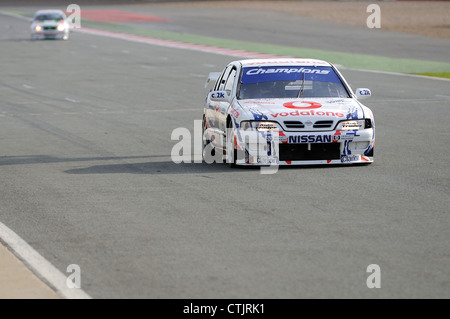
pixel 49 16
pixel 290 82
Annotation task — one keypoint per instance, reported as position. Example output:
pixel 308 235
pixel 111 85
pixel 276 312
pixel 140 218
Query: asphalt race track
pixel 87 178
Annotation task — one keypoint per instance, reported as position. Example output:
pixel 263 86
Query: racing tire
pixel 370 154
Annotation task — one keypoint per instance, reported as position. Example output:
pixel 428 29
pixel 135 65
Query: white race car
pixel 50 24
pixel 286 112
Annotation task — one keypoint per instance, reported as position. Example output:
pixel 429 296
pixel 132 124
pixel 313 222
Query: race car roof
pixel 48 11
pixel 283 62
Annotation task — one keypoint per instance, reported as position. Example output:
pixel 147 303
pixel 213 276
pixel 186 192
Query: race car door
pixel 226 84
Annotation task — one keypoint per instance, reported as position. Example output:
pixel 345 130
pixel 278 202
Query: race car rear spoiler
pixel 212 77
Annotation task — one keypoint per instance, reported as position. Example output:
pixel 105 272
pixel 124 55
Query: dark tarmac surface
pixel 87 179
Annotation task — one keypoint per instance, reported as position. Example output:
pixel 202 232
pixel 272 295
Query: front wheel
pixel 233 154
pixel 209 152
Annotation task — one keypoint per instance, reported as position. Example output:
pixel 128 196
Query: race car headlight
pixel 351 125
pixel 260 126
pixel 61 27
pixel 38 28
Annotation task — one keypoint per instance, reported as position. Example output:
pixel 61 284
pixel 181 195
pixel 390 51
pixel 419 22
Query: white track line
pixel 39 265
pixel 177 44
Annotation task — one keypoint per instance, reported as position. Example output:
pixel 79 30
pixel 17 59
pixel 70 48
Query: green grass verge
pixel 349 60
pixel 18 13
pixel 445 75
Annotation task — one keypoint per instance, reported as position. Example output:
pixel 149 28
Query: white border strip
pixel 39 265
pixel 178 44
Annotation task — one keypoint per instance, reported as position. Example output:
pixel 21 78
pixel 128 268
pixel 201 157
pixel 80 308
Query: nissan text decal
pixel 302 105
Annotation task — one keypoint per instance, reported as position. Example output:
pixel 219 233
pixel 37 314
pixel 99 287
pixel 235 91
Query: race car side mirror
pixel 219 96
pixel 363 93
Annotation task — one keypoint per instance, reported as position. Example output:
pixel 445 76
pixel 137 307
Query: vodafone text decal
pixel 309 105
pixel 309 113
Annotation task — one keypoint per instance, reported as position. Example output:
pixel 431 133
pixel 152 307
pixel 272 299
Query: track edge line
pixel 38 265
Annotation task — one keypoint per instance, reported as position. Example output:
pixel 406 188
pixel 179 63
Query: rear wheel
pixel 207 148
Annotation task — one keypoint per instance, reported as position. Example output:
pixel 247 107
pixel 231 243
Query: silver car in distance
pixel 50 24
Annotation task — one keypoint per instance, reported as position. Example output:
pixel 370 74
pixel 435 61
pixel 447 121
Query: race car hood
pixel 47 23
pixel 308 110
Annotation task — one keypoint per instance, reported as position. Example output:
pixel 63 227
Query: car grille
pixel 317 151
pixel 294 124
pixel 323 124
pixel 297 125
pixel 49 28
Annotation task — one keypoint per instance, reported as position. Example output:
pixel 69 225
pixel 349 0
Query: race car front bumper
pixel 308 148
pixel 50 34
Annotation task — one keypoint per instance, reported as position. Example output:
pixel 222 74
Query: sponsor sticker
pixel 234 112
pixel 302 105
pixel 306 139
pixel 311 112
pixel 289 73
pixel 259 71
pixel 350 158
pixel 343 137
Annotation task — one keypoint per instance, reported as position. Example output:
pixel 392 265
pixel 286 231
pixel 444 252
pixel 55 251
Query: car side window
pixel 230 81
pixel 223 79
